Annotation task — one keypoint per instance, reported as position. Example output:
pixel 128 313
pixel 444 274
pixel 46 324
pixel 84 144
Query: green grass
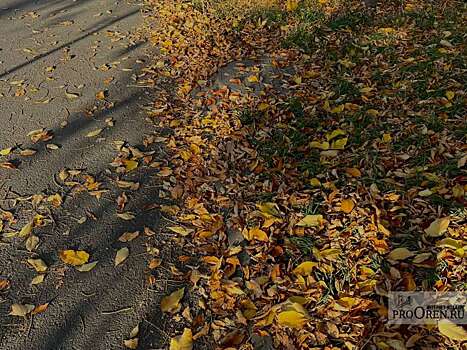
pixel 300 38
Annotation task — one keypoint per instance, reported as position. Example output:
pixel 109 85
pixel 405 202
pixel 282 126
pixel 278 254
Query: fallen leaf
pixel 101 95
pixel 39 309
pixel 347 205
pixel 27 152
pixel 122 255
pixel 71 95
pixel 305 268
pixel 182 342
pixel 4 284
pixel 292 319
pixel 311 220
pixel 128 236
pixel 94 133
pixel 21 310
pixel 38 265
pixel 38 279
pixel 438 227
pixel 87 267
pixel 6 151
pixel 126 215
pixel 130 165
pixel 26 230
pixel 354 172
pixel 452 330
pixel 180 230
pixel 400 254
pixel 74 257
pixel 131 343
pixel 171 303
pixel 258 234
pixel 32 242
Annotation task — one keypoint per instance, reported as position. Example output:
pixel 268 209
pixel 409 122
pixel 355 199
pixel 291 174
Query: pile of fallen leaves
pixel 326 170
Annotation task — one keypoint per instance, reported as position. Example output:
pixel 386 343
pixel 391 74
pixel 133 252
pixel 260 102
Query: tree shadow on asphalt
pixel 96 309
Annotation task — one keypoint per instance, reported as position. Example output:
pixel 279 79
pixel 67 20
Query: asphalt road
pixel 55 56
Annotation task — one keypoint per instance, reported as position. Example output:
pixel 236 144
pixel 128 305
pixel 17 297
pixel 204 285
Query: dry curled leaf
pixel 171 303
pixel 128 236
pixel 21 310
pixel 38 265
pixel 121 256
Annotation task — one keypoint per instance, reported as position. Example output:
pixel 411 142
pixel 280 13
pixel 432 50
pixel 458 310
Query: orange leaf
pixel 347 206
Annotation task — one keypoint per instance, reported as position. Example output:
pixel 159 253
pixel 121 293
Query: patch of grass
pixel 301 38
pixel 306 14
pixel 248 116
pixel 311 164
pixel 346 87
pixel 272 16
pixel 349 21
pixel 305 244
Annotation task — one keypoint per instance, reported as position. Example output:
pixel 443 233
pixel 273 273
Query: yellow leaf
pixel 305 268
pixel 347 205
pixel 38 265
pixel 338 109
pixel 5 151
pixel 400 254
pixel 315 182
pixel 55 199
pixel 330 254
pixel 421 258
pixel 263 106
pixel 38 279
pixel 21 310
pixel 335 133
pixel 291 5
pixel 122 255
pixel 321 145
pixel 269 209
pixel 182 342
pixel 258 234
pixel 171 303
pixel 26 230
pixel 387 138
pixel 130 165
pixel 451 330
pixel 74 257
pixel 438 227
pixel 94 133
pixel 339 144
pixel 449 243
pixel 450 95
pixel 180 230
pixel 311 221
pixel 253 79
pixel 87 267
pixel 292 319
